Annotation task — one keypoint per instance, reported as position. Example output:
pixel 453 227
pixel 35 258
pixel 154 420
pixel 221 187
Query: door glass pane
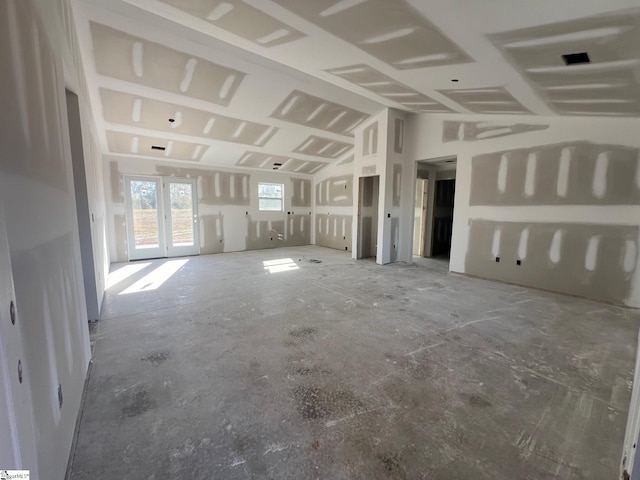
pixel 181 197
pixel 144 203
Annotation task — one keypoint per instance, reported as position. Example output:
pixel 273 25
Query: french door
pixel 162 217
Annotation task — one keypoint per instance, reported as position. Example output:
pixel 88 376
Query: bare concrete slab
pixel 234 368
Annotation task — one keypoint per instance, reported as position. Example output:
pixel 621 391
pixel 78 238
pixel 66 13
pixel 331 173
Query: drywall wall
pixel 37 190
pixel 564 200
pixel 229 219
pixel 92 297
pixel 333 206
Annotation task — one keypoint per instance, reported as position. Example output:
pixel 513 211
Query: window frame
pixel 281 185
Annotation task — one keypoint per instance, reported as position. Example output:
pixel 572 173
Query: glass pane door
pixel 144 217
pixel 182 235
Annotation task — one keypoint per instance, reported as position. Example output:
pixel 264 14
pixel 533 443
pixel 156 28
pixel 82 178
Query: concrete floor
pixel 349 370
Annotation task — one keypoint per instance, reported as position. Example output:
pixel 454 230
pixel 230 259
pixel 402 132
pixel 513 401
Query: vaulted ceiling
pixel 282 83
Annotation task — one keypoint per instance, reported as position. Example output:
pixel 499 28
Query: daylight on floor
pixel 320 239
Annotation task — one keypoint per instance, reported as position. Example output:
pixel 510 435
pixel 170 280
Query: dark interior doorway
pixel 443 217
pixel 368 217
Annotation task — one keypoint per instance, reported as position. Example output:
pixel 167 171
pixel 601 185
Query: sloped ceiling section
pixel 160 147
pixel 250 83
pixel 306 109
pixel 240 19
pixel 279 162
pixel 133 59
pixel 126 109
pixel 391 31
pixel 486 100
pixel 179 104
pixel 608 84
pixel 323 147
pixel 377 82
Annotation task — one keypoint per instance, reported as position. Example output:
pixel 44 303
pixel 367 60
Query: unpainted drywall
pixel 36 189
pixel 368 216
pixel 608 86
pixel 334 231
pixel 215 187
pixel 367 77
pixel 133 59
pixel 305 109
pixel 454 130
pixel 284 164
pixel 151 114
pixel 366 24
pixel 241 19
pixel 486 100
pixel 301 193
pixel 229 218
pixel 592 261
pixel 294 231
pixel 130 144
pixel 576 173
pixel 370 139
pixel 323 147
pixel 335 192
pixel 92 295
pixel 211 234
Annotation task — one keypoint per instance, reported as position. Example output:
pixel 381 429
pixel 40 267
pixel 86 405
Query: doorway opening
pixel 161 216
pixel 368 196
pixel 434 204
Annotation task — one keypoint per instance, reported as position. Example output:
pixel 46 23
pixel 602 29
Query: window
pixel 270 197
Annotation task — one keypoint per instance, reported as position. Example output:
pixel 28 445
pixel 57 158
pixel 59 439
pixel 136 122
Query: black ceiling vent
pixel 277 164
pixel 576 58
pixel 157 147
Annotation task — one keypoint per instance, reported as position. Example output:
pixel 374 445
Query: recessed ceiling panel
pixel 377 82
pixel 130 58
pixel 605 82
pixel 132 144
pixel 240 19
pixel 315 112
pixel 486 100
pixel 279 162
pixel 143 112
pixel 323 147
pixel 392 31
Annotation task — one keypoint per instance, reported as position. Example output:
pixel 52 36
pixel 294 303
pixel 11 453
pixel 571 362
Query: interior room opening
pixel 433 211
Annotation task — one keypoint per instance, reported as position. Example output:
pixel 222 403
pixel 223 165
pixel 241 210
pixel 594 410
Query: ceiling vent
pixel 576 58
pixel 277 164
pixel 157 147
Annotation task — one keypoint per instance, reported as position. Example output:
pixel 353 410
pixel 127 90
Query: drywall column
pixel 370 160
pixel 399 192
pixel 379 150
pixel 93 300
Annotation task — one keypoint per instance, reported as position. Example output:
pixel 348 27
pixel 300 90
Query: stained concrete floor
pixel 349 370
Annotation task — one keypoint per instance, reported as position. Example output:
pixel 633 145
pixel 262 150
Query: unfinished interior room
pixel 319 239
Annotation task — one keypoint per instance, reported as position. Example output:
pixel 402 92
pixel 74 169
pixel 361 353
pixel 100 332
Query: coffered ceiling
pixel 281 84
